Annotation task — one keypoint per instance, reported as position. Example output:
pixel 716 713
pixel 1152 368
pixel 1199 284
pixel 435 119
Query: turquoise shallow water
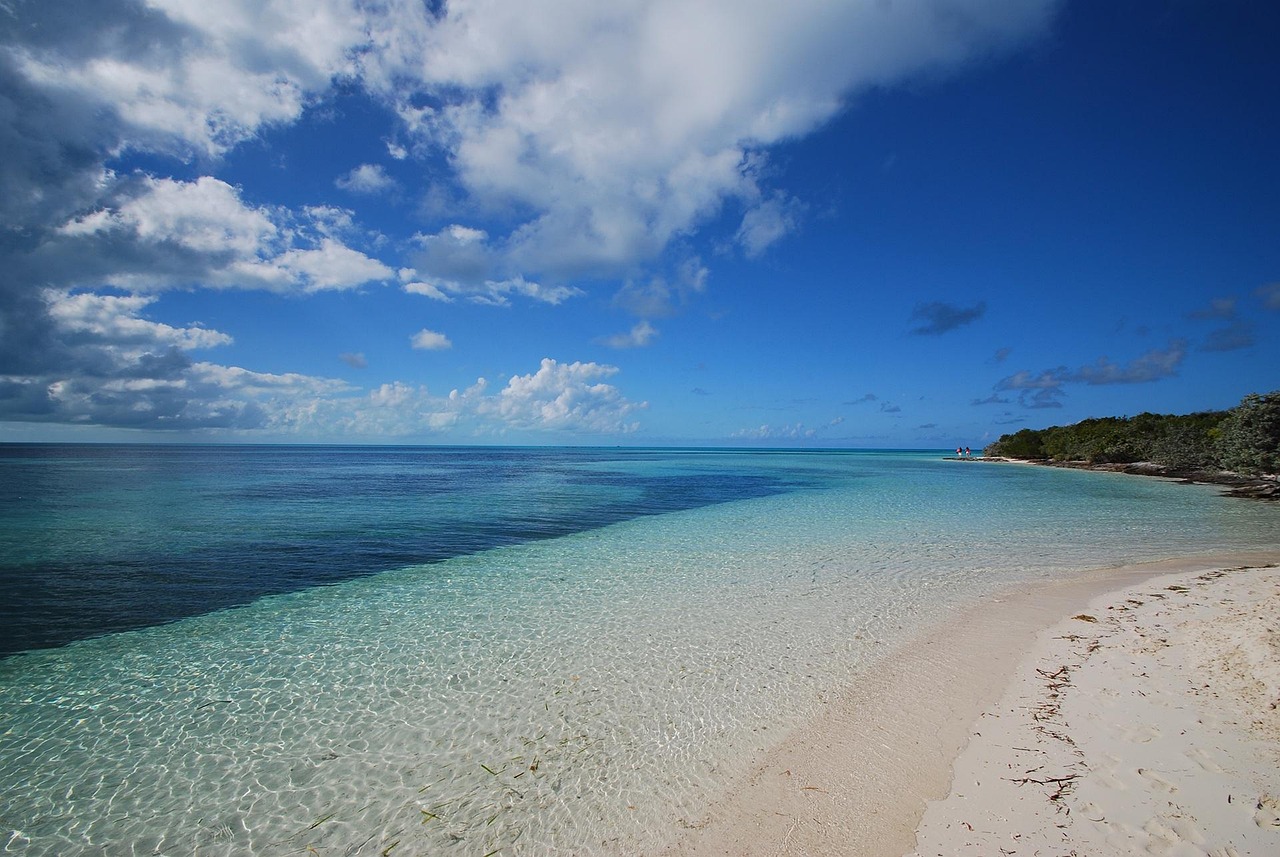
pixel 627 630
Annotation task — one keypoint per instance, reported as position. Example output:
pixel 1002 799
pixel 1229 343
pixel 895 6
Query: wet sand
pixel 1014 697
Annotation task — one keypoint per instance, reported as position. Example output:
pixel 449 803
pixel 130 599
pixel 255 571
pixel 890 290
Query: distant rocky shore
pixel 1251 487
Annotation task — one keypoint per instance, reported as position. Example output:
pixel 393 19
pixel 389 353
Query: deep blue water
pixel 566 651
pixel 96 539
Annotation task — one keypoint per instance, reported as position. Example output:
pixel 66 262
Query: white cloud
pixel 427 290
pixel 236 379
pixel 623 126
pixel 460 261
pixel 115 320
pixel 201 232
pixel 589 139
pixel 329 221
pixel 429 340
pixel 794 431
pixel 660 296
pixel 766 223
pixel 562 398
pixel 566 396
pixel 640 335
pixel 607 130
pixel 330 266
pixel 206 215
pixel 203 76
pixel 497 292
pixel 456 254
pixel 798 431
pixel 366 178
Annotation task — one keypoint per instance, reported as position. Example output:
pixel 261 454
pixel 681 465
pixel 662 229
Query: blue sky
pixel 867 224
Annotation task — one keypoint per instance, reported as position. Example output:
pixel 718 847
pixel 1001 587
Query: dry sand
pixel 1147 724
pixel 1148 731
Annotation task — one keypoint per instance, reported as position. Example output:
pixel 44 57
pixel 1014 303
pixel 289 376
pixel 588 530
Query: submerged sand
pixel 1151 726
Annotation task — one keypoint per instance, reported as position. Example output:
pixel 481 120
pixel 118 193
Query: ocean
pixel 414 650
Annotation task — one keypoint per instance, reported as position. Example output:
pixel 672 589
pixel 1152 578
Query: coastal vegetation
pixel 1244 439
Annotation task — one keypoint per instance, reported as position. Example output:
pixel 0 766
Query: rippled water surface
pixel 359 651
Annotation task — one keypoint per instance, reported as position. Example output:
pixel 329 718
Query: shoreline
pixel 856 779
pixel 1246 487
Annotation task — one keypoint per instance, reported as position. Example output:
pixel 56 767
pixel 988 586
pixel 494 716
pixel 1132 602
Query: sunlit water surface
pixel 347 651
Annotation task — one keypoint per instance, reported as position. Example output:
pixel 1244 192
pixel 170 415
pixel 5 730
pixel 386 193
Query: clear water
pixel 352 651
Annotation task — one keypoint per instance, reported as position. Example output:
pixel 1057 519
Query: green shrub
pixel 1021 444
pixel 1189 442
pixel 1249 438
pixel 1197 441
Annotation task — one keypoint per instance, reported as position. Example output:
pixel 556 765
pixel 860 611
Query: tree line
pixel 1244 439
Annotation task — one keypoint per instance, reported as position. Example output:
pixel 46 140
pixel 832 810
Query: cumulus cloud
pixel 115 321
pixel 792 431
pixel 797 431
pixel 331 265
pixel 607 130
pixel 588 138
pixel 937 318
pixel 84 83
pixel 368 179
pixel 457 253
pixel 566 396
pixel 112 366
pixel 559 399
pixel 459 261
pixel 186 76
pixel 430 340
pixel 204 216
pixel 616 128
pixel 115 367
pixel 204 397
pixel 155 233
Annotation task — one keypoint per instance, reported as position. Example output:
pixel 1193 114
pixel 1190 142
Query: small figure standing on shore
pixel 967 453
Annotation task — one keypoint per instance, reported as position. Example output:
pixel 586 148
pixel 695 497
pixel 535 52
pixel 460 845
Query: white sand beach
pixel 1147 724
pixel 1124 711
